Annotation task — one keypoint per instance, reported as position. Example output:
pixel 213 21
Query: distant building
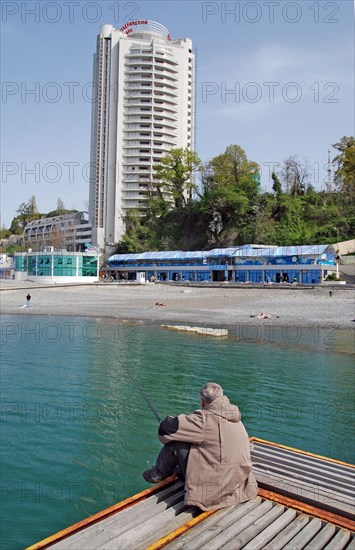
pixel 71 231
pixel 309 264
pixel 57 267
pixel 144 86
pixel 6 266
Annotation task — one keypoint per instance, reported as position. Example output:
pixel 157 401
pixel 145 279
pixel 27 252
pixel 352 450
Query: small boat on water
pixel 305 501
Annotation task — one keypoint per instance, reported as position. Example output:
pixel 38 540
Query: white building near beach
pixel 71 230
pixel 57 266
pixel 144 86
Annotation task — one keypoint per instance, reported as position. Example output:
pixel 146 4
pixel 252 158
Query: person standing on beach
pixel 210 450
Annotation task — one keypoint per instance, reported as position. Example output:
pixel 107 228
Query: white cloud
pixel 272 75
pixel 277 62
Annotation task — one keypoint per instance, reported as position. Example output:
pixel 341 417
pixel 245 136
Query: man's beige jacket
pixel 219 464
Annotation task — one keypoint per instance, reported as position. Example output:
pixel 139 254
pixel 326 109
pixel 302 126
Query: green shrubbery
pixel 228 208
pixel 331 277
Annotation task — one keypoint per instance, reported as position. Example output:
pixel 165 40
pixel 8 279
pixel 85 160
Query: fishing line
pixel 146 399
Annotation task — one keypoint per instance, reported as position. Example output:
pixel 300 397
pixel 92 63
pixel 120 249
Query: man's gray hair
pixel 210 391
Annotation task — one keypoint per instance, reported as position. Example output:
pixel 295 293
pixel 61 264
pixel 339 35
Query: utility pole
pixel 337 257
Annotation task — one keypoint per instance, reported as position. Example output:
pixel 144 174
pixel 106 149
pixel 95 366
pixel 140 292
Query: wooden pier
pixel 304 502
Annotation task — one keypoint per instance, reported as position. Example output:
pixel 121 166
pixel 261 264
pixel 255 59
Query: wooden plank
pixel 264 442
pixel 310 469
pixel 127 519
pixel 164 541
pixel 306 493
pixel 279 450
pixel 253 530
pixel 107 512
pixel 209 524
pixel 351 545
pixel 304 457
pixel 300 490
pixel 340 540
pixel 305 462
pixel 154 528
pixel 305 535
pixel 342 484
pixel 270 532
pixel 143 542
pixel 341 492
pixel 149 518
pixel 289 533
pixel 210 528
pixel 321 539
pixel 227 534
pixel 318 471
pixel 268 458
pixel 318 491
pixel 305 508
pixel 95 518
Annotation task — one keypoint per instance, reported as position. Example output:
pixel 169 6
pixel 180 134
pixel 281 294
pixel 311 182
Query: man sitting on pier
pixel 209 449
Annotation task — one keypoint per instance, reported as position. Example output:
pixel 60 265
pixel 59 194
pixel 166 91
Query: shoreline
pixel 218 306
pixel 252 322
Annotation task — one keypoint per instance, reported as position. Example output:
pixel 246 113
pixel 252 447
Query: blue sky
pixel 275 77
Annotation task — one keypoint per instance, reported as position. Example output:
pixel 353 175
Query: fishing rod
pixel 146 399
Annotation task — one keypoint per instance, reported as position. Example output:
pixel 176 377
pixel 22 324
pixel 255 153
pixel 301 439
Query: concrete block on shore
pixel 205 331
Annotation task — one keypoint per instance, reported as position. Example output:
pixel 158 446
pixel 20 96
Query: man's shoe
pixel 152 476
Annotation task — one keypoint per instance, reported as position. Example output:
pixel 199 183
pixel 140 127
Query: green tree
pixel 136 235
pixel 16 227
pixel 289 215
pixel 231 211
pixel 60 209
pixel 4 233
pixel 173 176
pixel 264 224
pixel 27 212
pixel 295 175
pixel 12 248
pixel 60 204
pixel 230 189
pixel 233 169
pixel 57 238
pixel 276 186
pixel 344 163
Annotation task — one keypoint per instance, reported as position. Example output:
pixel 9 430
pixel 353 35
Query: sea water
pixel 77 434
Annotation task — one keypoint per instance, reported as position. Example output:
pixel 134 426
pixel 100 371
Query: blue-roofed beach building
pixel 306 264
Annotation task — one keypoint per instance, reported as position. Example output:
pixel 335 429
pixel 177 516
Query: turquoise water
pixel 76 433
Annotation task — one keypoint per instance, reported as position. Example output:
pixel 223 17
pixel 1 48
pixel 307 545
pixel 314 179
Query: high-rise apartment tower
pixel 144 106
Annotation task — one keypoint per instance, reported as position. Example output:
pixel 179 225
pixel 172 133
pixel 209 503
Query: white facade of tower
pixel 144 84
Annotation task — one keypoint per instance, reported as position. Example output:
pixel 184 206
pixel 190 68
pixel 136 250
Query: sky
pixel 275 77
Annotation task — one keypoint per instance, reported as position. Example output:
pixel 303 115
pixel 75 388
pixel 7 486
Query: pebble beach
pixel 157 303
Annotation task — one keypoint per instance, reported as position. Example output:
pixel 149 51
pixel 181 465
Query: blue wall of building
pixel 247 264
